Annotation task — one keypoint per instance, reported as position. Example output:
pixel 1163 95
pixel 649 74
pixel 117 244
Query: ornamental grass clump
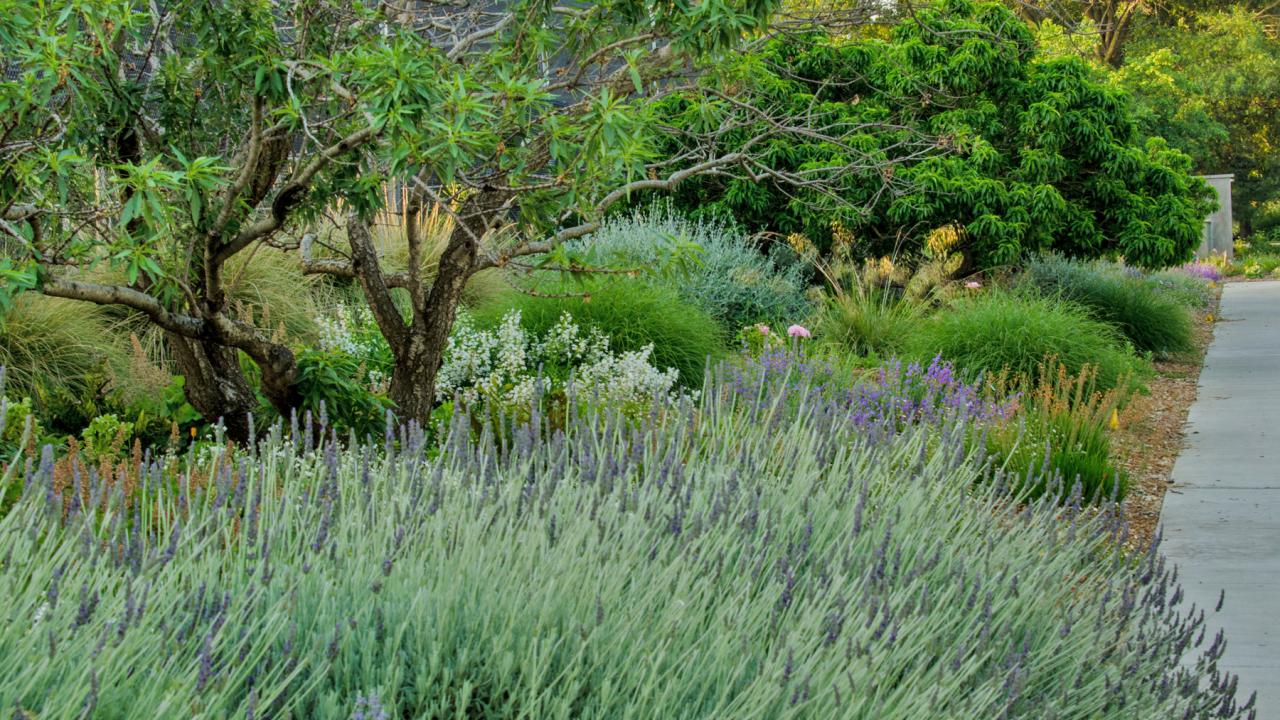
pixel 1059 430
pixel 1153 321
pixel 997 331
pixel 868 321
pixel 711 563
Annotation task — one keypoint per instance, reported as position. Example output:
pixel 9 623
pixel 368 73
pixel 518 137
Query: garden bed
pixel 1152 430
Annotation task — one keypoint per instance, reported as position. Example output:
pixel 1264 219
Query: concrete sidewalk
pixel 1221 517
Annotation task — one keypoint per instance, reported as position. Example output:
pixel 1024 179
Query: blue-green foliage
pixel 728 276
pixel 733 560
pixel 1194 292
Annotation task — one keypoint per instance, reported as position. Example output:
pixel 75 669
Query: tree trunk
pixel 1112 18
pixel 413 381
pixel 215 384
pixel 280 379
pixel 420 354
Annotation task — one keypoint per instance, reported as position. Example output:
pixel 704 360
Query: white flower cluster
pixel 347 329
pixel 627 380
pixel 507 364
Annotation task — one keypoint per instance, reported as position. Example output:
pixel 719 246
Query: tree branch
pixel 252 153
pixel 291 194
pixel 465 43
pixel 337 267
pixel 185 325
pixel 577 231
pixel 365 266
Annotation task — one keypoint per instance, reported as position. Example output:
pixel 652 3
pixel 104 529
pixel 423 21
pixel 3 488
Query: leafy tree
pixel 1211 86
pixel 163 140
pixel 1042 154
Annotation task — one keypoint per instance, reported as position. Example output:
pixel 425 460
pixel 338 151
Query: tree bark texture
pixel 215 384
pixel 421 353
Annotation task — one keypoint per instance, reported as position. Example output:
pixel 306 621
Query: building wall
pixel 1218 226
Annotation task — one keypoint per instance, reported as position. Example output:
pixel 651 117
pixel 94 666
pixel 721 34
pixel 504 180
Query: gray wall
pixel 1217 227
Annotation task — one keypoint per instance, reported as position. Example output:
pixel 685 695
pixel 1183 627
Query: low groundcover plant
pixel 715 561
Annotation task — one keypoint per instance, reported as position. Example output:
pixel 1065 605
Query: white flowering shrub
pixel 352 330
pixel 510 367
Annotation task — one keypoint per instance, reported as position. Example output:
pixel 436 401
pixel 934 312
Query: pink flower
pixel 973 284
pixel 798 331
pixel 764 329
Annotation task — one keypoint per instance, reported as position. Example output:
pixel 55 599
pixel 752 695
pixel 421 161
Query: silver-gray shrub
pixel 732 279
pixel 711 562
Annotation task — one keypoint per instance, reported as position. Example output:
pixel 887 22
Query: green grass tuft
pixel 1001 330
pixel 58 351
pixel 632 312
pixel 1152 320
pixel 868 322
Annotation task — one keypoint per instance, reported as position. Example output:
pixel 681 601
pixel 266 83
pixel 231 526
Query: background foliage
pixel 1042 153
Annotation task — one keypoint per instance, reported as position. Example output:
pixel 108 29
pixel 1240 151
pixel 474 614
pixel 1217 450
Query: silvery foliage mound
pixel 511 367
pixel 713 561
pixel 727 275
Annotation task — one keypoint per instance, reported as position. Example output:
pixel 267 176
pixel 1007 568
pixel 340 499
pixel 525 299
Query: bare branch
pixel 182 324
pixel 338 267
pixel 252 152
pixel 465 43
pixel 609 200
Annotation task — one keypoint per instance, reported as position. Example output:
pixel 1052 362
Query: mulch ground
pixel 1151 433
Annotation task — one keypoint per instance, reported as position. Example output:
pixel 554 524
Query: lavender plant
pixel 726 559
pixel 878 403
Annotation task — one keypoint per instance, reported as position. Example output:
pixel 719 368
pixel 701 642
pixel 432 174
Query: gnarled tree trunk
pixel 215 384
pixel 418 360
pixel 419 344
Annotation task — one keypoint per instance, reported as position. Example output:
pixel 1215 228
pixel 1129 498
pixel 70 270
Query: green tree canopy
pixel 159 141
pixel 1026 152
pixel 1211 86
